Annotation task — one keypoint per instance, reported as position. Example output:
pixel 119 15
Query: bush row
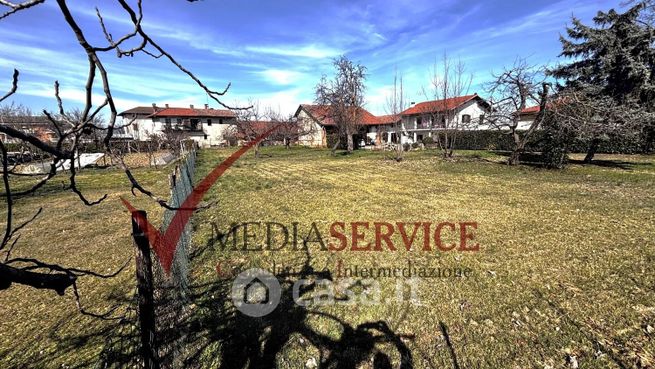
pixel 496 140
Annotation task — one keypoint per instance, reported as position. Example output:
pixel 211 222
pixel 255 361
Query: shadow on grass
pixel 75 341
pixel 216 329
pixel 535 160
pixel 207 331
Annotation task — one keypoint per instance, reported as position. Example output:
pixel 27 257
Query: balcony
pixel 185 125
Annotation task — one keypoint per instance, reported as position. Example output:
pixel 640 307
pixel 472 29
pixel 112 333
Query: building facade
pixel 207 126
pixel 412 125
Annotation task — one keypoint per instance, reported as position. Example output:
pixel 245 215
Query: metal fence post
pixel 145 290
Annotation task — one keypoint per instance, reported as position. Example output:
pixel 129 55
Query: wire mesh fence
pixel 171 291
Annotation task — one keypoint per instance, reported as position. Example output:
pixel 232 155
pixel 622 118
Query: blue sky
pixel 276 51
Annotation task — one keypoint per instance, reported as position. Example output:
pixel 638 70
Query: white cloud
pixel 280 76
pixel 284 102
pixel 74 97
pixel 308 51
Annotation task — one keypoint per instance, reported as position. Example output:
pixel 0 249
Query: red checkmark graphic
pixel 164 245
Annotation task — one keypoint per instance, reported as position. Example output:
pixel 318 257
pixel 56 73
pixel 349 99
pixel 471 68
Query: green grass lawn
pixel 38 328
pixel 564 272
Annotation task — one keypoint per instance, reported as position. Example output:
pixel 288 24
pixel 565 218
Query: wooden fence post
pixel 145 290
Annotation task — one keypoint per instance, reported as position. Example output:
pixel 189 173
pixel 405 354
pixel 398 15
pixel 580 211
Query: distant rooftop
pixel 167 111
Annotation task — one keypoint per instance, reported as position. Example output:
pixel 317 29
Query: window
pixel 205 137
pixel 466 119
pixel 209 122
pixel 419 138
pixel 419 122
pixel 481 119
pixel 179 120
pixel 194 123
pixel 220 121
pixel 155 119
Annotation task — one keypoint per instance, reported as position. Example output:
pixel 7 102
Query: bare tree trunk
pixel 334 148
pixel 256 148
pixel 350 143
pixel 445 148
pixel 591 151
pixel 515 156
pixel 450 145
pixel 399 146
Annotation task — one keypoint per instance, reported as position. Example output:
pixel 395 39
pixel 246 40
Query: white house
pixel 206 126
pixel 527 116
pixel 423 119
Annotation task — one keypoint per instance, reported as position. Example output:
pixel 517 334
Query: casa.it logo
pixel 256 292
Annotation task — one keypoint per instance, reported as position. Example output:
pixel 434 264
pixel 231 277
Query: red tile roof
pixel 323 115
pixel 139 110
pixel 532 109
pixel 188 112
pixel 439 105
pixel 389 119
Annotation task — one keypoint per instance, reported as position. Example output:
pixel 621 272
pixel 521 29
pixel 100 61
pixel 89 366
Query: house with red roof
pixel 458 113
pixel 207 126
pixel 527 116
pixel 419 121
pixel 317 119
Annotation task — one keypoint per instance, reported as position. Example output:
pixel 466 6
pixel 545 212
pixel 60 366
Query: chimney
pixel 412 103
pixel 166 106
pixel 191 106
pixel 206 106
pixel 154 107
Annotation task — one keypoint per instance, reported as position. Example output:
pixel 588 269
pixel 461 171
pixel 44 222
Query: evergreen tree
pixel 613 59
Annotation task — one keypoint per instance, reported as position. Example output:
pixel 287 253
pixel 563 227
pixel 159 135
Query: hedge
pixel 496 140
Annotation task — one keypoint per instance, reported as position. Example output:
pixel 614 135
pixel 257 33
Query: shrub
pixel 556 142
pixel 428 140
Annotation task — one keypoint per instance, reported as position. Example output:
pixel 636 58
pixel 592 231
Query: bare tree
pixel 248 124
pixel 448 80
pixel 396 103
pixel 510 93
pixel 289 130
pixel 344 97
pixel 574 115
pixel 69 134
pixel 152 145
